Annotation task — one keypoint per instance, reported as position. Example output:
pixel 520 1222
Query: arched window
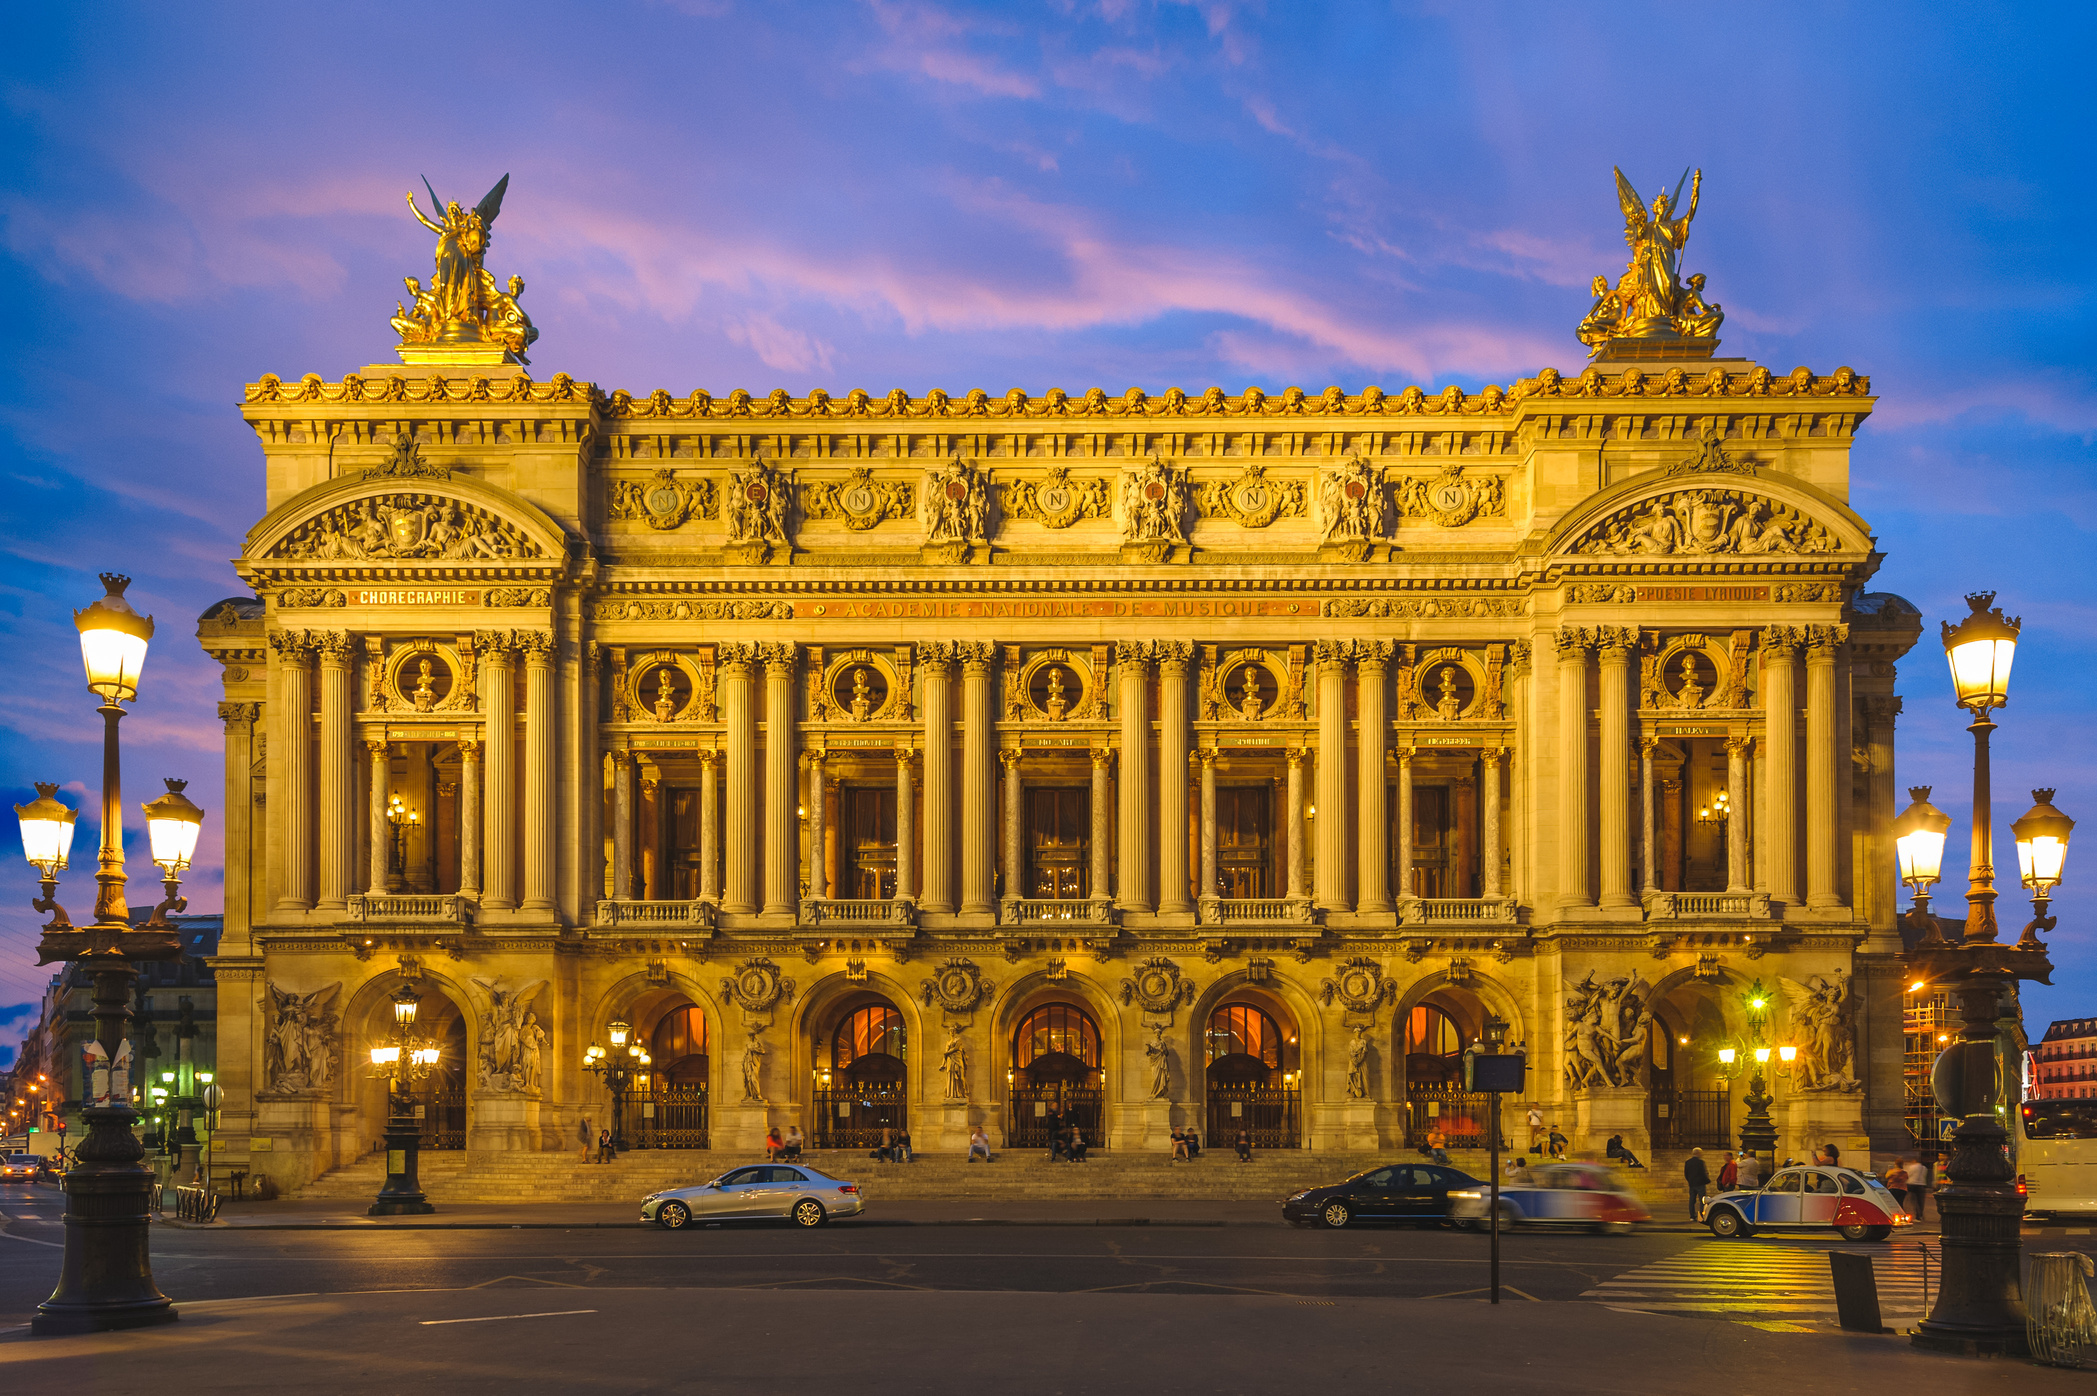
pixel 1057 1041
pixel 870 1042
pixel 1433 1048
pixel 1243 1043
pixel 678 1046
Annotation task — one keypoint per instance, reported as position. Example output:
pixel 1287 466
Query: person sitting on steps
pixel 1244 1147
pixel 1077 1145
pixel 978 1143
pixel 1616 1150
pixel 1179 1145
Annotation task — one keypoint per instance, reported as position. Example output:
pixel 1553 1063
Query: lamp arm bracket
pixel 49 902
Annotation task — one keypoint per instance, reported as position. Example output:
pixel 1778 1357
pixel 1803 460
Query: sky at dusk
pixel 721 195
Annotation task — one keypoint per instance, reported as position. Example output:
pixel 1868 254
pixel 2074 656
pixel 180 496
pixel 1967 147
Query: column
pixel 1646 747
pixel 1671 832
pixel 338 780
pixel 294 757
pixel 938 892
pixel 1293 856
pixel 1102 819
pixel 709 826
pixel 1133 893
pixel 906 825
pixel 239 806
pixel 1405 827
pixel 818 864
pixel 1331 799
pixel 470 817
pixel 1780 738
pixel 1372 828
pixel 978 806
pixel 622 825
pixel 737 663
pixel 782 840
pixel 1823 826
pixel 1737 879
pixel 499 846
pixel 1207 886
pixel 539 772
pixel 1615 754
pixel 1015 850
pixel 381 828
pixel 1174 657
pixel 1572 769
pixel 1489 800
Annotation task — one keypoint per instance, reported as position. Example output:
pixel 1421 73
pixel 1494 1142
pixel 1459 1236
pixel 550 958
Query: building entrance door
pixel 1059 822
pixel 869 831
pixel 1244 843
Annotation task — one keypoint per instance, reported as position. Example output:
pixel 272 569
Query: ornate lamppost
pixel 1981 1305
pixel 106 1279
pixel 1758 1133
pixel 403 1059
pixel 617 1068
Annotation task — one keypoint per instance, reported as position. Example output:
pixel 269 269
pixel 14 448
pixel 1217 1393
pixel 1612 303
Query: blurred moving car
pixel 20 1168
pixel 1855 1205
pixel 1557 1194
pixel 1414 1192
pixel 793 1192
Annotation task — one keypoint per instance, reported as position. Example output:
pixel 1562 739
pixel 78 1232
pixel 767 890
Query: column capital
pixel 1739 746
pixel 1373 656
pixel 1173 656
pixel 1781 642
pixel 376 746
pixel 1647 745
pixel 1335 652
pixel 1879 708
pixel 1573 642
pixel 1207 757
pixel 1296 756
pixel 501 646
pixel 1494 755
pixel 469 748
pixel 592 657
pixel 813 758
pixel 337 648
pixel 1102 757
pixel 537 646
pixel 1616 642
pixel 906 755
pixel 938 656
pixel 239 714
pixel 976 656
pixel 1132 654
pixel 1519 654
pixel 737 655
pixel 707 755
pixel 295 647
pixel 780 658
pixel 1823 640
pixel 1009 757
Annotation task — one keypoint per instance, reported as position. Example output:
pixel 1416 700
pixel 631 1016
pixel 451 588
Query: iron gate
pixel 1269 1113
pixel 854 1117
pixel 1692 1119
pixel 441 1107
pixel 1463 1117
pixel 1028 1125
pixel 668 1117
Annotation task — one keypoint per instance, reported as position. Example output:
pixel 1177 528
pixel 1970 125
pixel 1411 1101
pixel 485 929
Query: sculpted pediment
pixel 1707 521
pixel 405 525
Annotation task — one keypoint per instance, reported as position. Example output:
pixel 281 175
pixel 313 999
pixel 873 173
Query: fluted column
pixel 1780 719
pixel 1174 657
pixel 470 817
pixel 239 719
pixel 294 757
pixel 1372 660
pixel 938 892
pixel 978 807
pixel 1331 799
pixel 1823 770
pixel 381 756
pixel 1208 887
pixel 1015 848
pixel 1102 819
pixel 818 864
pixel 710 826
pixel 622 824
pixel 1405 826
pixel 906 823
pixel 499 844
pixel 1646 748
pixel 1489 797
pixel 1574 888
pixel 1292 858
pixel 1133 853
pixel 539 772
pixel 1737 879
pixel 338 778
pixel 737 664
pixel 1615 759
pixel 782 839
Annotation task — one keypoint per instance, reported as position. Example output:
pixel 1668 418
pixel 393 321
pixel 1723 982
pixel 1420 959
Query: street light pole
pixel 402 1060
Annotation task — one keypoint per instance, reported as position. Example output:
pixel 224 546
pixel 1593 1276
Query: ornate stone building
pixel 1220 760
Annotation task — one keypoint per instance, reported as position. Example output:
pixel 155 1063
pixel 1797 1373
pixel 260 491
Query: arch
pixel 1250 1093
pixel 1852 533
pixel 644 1004
pixel 858 1109
pixel 680 1045
pixel 351 488
pixel 1437 1019
pixel 444 1015
pixel 1058 1040
pixel 1692 1104
pixel 1014 1002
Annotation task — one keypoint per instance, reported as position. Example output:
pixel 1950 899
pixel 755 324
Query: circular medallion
pixel 857 499
pixel 756 493
pixel 665 499
pixel 1449 496
pixel 956 490
pixel 1356 489
pixel 1155 490
pixel 1054 498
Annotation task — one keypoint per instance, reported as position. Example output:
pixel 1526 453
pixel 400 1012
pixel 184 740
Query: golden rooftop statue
pixel 463 317
pixel 1650 312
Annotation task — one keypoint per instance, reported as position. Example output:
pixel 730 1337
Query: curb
pixel 855 1223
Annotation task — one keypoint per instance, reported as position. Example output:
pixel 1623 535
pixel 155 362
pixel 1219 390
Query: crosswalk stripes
pixel 1770 1284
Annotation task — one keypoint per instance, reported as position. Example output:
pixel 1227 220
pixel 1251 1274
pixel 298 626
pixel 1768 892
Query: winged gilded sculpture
pixel 463 304
pixel 1651 300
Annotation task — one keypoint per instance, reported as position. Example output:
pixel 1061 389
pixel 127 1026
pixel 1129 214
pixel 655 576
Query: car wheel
pixel 1877 1233
pixel 807 1212
pixel 1337 1214
pixel 1510 1216
pixel 1726 1224
pixel 1615 1228
pixel 672 1216
pixel 1853 1233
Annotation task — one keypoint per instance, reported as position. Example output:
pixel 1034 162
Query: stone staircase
pixel 457 1177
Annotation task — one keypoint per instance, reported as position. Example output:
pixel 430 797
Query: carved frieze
pixel 1424 608
pixel 1706 521
pixel 1154 504
pixel 1452 498
pixel 1352 503
pixel 663 501
pixel 299 597
pixel 859 500
pixel 626 608
pixel 1057 500
pixel 756 510
pixel 954 504
pixel 302 1040
pixel 390 526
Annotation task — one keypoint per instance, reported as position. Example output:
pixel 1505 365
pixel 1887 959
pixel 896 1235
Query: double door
pixel 1059 825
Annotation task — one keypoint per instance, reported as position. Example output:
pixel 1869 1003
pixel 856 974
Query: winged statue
pixel 463 304
pixel 1651 300
pixel 1820 1014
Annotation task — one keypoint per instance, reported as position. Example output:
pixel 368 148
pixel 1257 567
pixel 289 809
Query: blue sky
pixel 886 195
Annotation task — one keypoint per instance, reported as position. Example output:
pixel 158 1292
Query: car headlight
pixel 1471 1195
pixel 651 1197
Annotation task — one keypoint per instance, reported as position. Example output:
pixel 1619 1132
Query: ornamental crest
pixel 757 986
pixel 756 507
pixel 406 463
pixel 1252 500
pixel 957 987
pixel 1360 986
pixel 1055 501
pixel 1351 503
pixel 1157 986
pixel 405 526
pixel 1702 522
pixel 1450 500
pixel 955 506
pixel 1154 503
pixel 859 500
pixel 663 501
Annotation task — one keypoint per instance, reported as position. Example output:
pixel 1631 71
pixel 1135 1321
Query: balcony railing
pixel 1048 911
pixel 1240 911
pixel 433 907
pixel 1459 911
pixel 626 912
pixel 882 911
pixel 1670 906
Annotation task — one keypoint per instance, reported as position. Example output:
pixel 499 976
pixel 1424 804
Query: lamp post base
pixel 402 1194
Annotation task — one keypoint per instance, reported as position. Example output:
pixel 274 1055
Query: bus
pixel 2055 1146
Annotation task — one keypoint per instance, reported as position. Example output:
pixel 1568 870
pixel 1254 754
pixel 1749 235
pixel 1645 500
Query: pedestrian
pixel 1750 1172
pixel 1054 1125
pixel 978 1143
pixel 791 1148
pixel 1896 1181
pixel 884 1152
pixel 1179 1145
pixel 903 1153
pixel 604 1146
pixel 1698 1177
pixel 1615 1149
pixel 1436 1146
pixel 1077 1144
pixel 773 1144
pixel 1918 1188
pixel 1244 1147
pixel 1536 1130
pixel 1834 1155
pixel 1558 1143
pixel 1729 1173
pixel 582 1132
pixel 1063 1139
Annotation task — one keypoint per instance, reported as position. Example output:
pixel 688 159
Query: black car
pixel 1414 1192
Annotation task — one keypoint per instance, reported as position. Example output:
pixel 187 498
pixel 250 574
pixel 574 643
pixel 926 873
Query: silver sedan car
pixel 793 1191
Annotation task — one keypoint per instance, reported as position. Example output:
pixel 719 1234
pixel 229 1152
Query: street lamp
pixel 403 1059
pixel 106 1279
pixel 1981 1305
pixel 1758 1133
pixel 617 1068
pixel 1918 845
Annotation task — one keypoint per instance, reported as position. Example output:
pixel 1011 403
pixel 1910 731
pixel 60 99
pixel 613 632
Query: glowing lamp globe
pixel 385 1056
pixel 172 825
pixel 1980 649
pixel 405 1002
pixel 619 1032
pixel 47 829
pixel 1761 1054
pixel 2042 843
pixel 113 640
pixel 1918 839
